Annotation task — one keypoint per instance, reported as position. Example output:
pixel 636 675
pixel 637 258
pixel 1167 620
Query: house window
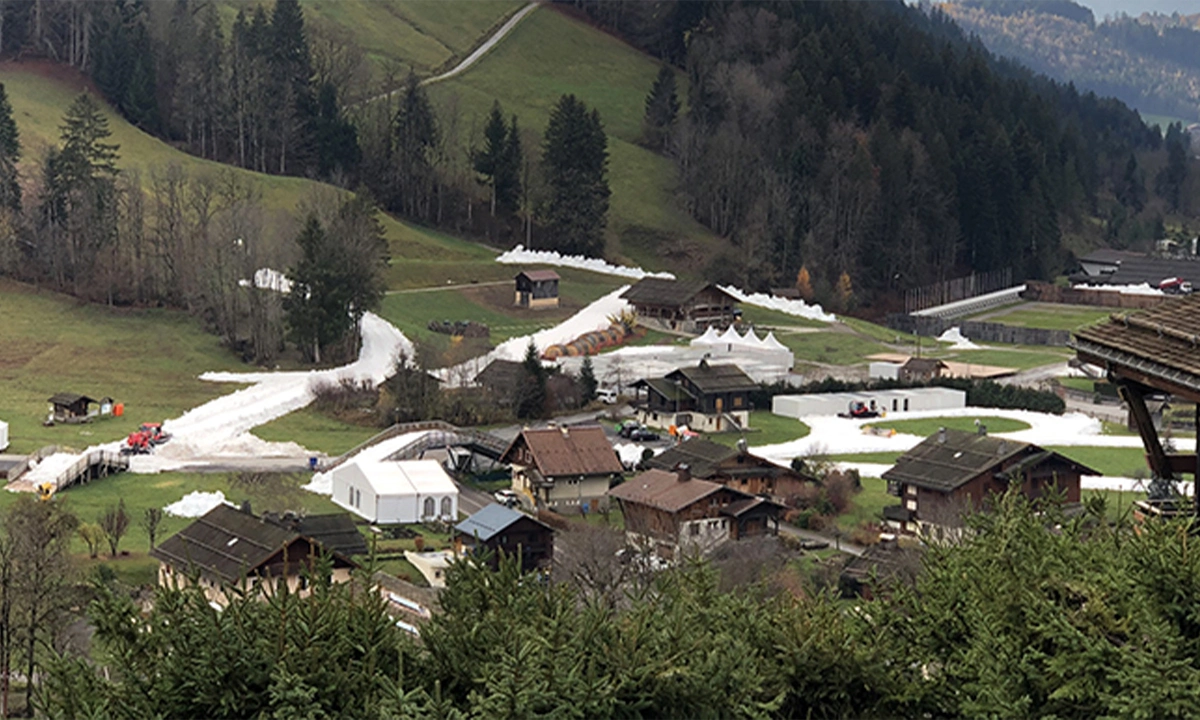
pixel 911 504
pixel 447 509
pixel 737 401
pixel 430 507
pixel 695 529
pixel 358 498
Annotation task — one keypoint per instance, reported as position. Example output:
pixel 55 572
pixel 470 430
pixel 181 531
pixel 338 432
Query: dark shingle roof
pixel 69 398
pixel 1161 344
pixel 1135 268
pixel 491 520
pixel 538 275
pixel 701 456
pixel 710 378
pixel 664 490
pixel 576 450
pixel 224 542
pixel 666 388
pixel 336 532
pixel 922 365
pixel 501 373
pixel 947 465
pixel 670 293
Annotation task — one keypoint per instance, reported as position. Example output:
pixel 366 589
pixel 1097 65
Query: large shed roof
pixel 569 450
pixel 667 292
pixel 664 490
pixel 224 542
pixel 491 520
pixel 710 378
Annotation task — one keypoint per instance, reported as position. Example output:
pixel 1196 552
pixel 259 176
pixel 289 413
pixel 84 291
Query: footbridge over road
pixel 432 435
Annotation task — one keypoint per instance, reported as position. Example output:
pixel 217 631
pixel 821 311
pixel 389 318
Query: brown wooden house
pixel 921 369
pixel 735 468
pixel 503 530
pixel 669 513
pixel 536 289
pixel 502 379
pixel 954 473
pixel 71 408
pixel 563 468
pixel 680 305
pixel 706 398
pixel 228 548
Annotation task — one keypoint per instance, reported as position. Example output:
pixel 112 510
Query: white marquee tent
pixel 395 491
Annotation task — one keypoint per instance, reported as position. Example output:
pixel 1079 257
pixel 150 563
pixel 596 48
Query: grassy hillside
pixel 550 54
pixel 426 35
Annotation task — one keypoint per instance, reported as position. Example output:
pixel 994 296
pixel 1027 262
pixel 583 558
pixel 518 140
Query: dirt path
pixel 439 288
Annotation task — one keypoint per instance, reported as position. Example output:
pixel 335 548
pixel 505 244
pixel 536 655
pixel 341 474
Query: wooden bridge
pixel 89 466
pixel 437 434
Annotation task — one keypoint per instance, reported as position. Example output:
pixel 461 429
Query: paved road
pixel 840 544
pixel 471 501
pixel 439 288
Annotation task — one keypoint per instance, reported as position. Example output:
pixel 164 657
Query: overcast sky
pixel 1101 8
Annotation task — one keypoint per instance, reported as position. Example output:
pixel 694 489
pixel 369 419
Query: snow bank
pixel 795 308
pixel 195 504
pixel 268 279
pixel 520 256
pixel 321 484
pixel 955 336
pixel 1141 289
pixel 631 453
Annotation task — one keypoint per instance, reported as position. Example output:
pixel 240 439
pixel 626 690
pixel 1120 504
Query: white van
pixel 608 396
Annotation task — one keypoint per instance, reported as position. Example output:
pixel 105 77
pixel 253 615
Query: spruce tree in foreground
pixel 10 153
pixel 575 160
pixel 587 380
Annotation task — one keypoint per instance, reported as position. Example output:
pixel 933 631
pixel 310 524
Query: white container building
pixel 886 401
pixel 391 492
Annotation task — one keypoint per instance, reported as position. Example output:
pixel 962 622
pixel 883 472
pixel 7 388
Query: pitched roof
pixel 501 373
pixel 224 542
pixel 709 378
pixel 336 532
pixel 69 398
pixel 1135 268
pixel 399 477
pixel 663 291
pixel 574 450
pixel 701 456
pixel 949 464
pixel 491 520
pixel 963 456
pixel 923 364
pixel 665 388
pixel 1161 344
pixel 664 490
pixel 741 507
pixel 538 275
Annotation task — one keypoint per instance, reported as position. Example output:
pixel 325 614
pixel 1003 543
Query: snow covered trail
pixel 221 427
pixel 832 435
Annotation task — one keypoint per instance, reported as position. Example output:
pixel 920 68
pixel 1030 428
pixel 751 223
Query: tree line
pixel 1030 614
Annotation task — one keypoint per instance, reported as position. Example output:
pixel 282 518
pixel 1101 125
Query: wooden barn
pixel 502 530
pixel 953 473
pixel 679 305
pixel 71 408
pixel 563 467
pixel 537 289
pixel 706 398
pixel 735 468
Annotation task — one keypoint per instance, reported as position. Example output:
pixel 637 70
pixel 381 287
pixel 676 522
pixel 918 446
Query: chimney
pixel 980 428
pixel 942 435
pixel 1002 449
pixel 742 448
pixel 246 507
pixel 683 472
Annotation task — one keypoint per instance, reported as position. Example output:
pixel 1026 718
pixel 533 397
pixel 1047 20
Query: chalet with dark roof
pixel 954 473
pixel 230 548
pixel 504 531
pixel 1124 267
pixel 502 379
pixel 71 408
pixel 563 468
pixel 691 306
pixel 536 289
pixel 735 468
pixel 706 398
pixel 921 369
pixel 672 513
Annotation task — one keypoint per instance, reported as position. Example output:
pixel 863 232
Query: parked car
pixel 643 434
pixel 507 498
pixel 608 396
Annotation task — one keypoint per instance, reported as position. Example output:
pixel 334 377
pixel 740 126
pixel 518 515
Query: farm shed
pixel 536 289
pixel 70 408
pixel 391 492
pixel 935 398
pixel 682 305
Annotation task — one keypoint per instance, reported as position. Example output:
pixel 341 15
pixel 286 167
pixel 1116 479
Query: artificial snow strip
pixel 787 306
pixel 195 504
pixel 1140 289
pixel 520 256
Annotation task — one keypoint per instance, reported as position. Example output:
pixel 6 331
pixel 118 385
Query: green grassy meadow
pixel 316 431
pixel 1119 462
pixel 928 426
pixel 766 428
pixel 550 54
pixel 1050 317
pixel 831 348
pixel 1013 356
pixel 866 506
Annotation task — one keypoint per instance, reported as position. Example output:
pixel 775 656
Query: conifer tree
pixel 10 152
pixel 662 108
pixel 490 157
pixel 575 160
pixel 587 380
pixel 508 194
pixel 416 141
pixel 531 396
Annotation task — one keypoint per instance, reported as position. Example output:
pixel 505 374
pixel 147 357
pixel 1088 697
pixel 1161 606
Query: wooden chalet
pixel 673 513
pixel 504 531
pixel 706 398
pixel 735 468
pixel 567 467
pixel 71 408
pixel 690 306
pixel 536 289
pixel 1146 353
pixel 502 379
pixel 229 548
pixel 921 369
pixel 953 473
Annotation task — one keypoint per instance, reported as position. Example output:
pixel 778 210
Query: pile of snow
pixel 1141 289
pixel 787 306
pixel 955 336
pixel 52 466
pixel 631 453
pixel 269 279
pixel 195 504
pixel 520 256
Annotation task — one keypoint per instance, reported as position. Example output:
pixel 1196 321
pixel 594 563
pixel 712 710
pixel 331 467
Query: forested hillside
pixel 1151 62
pixel 873 145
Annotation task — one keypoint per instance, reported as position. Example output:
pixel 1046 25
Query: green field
pixel 316 431
pixel 764 319
pixel 1017 357
pixel 928 426
pixel 550 54
pixel 426 35
pixel 766 428
pixel 1118 462
pixel 882 458
pixel 866 506
pixel 1050 317
pixel 831 348
pixel 149 360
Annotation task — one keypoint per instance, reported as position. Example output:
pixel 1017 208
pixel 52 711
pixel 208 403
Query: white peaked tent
pixel 770 343
pixel 710 337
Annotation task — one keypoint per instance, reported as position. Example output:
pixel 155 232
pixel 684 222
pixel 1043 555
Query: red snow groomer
pixel 860 410
pixel 143 440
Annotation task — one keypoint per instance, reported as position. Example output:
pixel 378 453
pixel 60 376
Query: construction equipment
pixel 143 440
pixel 45 491
pixel 154 433
pixel 859 410
pixel 1175 286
